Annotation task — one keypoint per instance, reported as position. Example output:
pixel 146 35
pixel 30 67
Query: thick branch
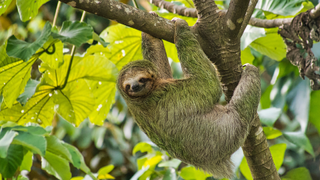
pixel 176 9
pixel 314 13
pixel 127 15
pixel 235 16
pixel 247 17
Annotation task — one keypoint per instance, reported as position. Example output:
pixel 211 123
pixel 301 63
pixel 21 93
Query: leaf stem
pixel 135 4
pixel 56 14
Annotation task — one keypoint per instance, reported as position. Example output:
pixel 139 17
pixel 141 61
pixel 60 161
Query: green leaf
pixel 56 165
pixel 75 102
pixel 53 56
pixel 143 147
pixel 77 158
pixel 138 174
pixel 36 130
pixel 29 90
pixel 37 144
pixel 38 109
pixel 24 50
pixel 105 170
pixel 314 117
pixel 125 44
pixel 281 7
pixel 190 172
pixel 299 139
pixel 104 94
pixel 271 45
pixel 246 56
pixel 271 133
pixel 265 98
pixel 4 58
pixel 29 8
pixel 27 162
pixel 170 174
pixel 297 174
pixel 269 116
pixel 6 137
pixel 75 33
pixel 10 164
pixel 55 146
pixel 171 51
pixel 277 152
pixel 14 78
pixel 4 5
pixel 250 34
pixel 171 163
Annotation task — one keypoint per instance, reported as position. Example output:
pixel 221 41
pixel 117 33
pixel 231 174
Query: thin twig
pixel 247 17
pixel 56 14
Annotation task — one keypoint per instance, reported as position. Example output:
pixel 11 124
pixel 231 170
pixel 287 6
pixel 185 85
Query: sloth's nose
pixel 135 87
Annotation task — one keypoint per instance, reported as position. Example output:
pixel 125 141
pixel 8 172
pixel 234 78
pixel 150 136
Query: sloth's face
pixel 137 83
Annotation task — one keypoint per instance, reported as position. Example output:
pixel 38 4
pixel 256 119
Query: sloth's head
pixel 137 79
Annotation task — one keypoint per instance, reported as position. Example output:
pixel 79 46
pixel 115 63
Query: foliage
pixel 65 91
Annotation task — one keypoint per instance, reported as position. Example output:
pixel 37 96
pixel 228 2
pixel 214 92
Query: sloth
pixel 183 116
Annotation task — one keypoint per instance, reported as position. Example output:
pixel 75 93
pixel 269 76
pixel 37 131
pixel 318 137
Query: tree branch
pixel 247 17
pixel 235 17
pixel 314 13
pixel 127 15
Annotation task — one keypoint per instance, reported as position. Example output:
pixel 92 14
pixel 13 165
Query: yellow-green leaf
pixel 103 173
pixel 271 133
pixel 246 56
pixel 143 147
pixel 54 55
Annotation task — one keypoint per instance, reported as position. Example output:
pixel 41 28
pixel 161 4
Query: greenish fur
pixel 183 116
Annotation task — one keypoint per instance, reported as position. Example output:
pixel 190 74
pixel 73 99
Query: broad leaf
pixel 246 56
pixel 250 34
pixel 4 58
pixel 271 45
pixel 56 165
pixel 27 161
pixel 75 102
pixel 271 133
pixel 6 137
pixel 314 117
pixel 269 116
pixel 297 174
pixel 53 56
pixel 103 173
pixel 55 146
pixel 4 5
pixel 125 44
pixel 171 163
pixel 14 78
pixel 281 7
pixel 77 158
pixel 299 139
pixel 191 172
pixel 10 164
pixel 29 90
pixel 75 33
pixel 170 174
pixel 24 50
pixel 36 144
pixel 29 8
pixel 142 147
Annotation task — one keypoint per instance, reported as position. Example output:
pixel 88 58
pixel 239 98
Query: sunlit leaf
pixel 103 172
pixel 53 56
pixel 27 161
pixel 6 138
pixel 246 56
pixel 300 139
pixel 142 147
pixel 24 50
pixel 36 144
pixel 281 7
pixel 271 133
pixel 125 44
pixel 4 58
pixel 29 8
pixel 171 163
pixel 297 174
pixel 152 162
pixel 14 78
pixel 29 90
pixel 4 5
pixel 191 172
pixel 141 161
pixel 269 116
pixel 56 165
pixel 138 174
pixel 10 164
pixel 75 33
pixel 250 34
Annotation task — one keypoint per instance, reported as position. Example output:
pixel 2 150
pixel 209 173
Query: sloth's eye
pixel 143 80
pixel 127 87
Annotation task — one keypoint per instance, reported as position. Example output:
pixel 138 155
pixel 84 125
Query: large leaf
pixel 37 144
pixel 4 5
pixel 77 158
pixel 191 172
pixel 75 102
pixel 14 78
pixel 300 139
pixel 250 34
pixel 53 56
pixel 55 146
pixel 271 45
pixel 29 8
pixel 24 50
pixel 38 109
pixel 269 116
pixel 56 165
pixel 4 58
pixel 125 44
pixel 6 138
pixel 271 133
pixel 298 174
pixel 10 164
pixel 75 33
pixel 314 117
pixel 246 56
pixel 29 90
pixel 281 7
pixel 26 163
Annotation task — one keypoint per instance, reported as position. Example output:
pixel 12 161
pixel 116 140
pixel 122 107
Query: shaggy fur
pixel 183 116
